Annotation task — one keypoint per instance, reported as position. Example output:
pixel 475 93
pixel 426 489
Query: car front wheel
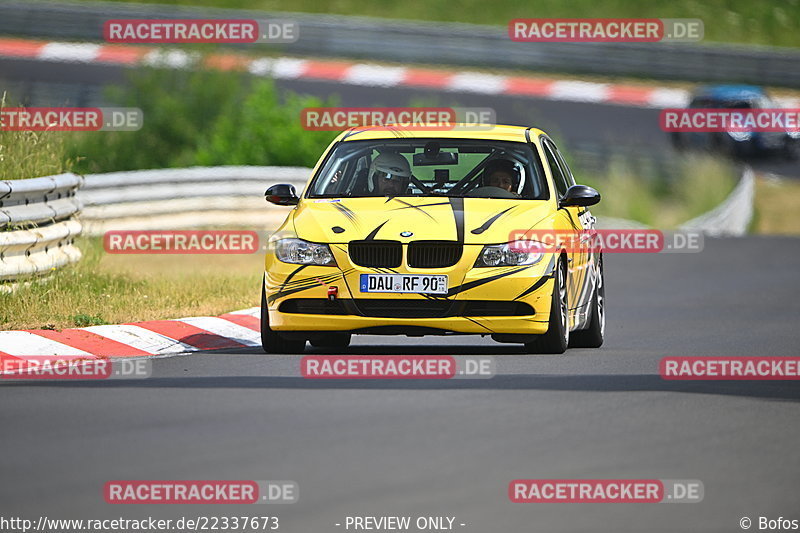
pixel 271 341
pixel 556 339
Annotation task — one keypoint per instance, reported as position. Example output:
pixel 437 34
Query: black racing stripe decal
pixel 346 211
pixel 548 273
pixel 287 292
pixel 457 203
pixel 477 323
pixel 374 232
pixel 290 276
pixel 585 295
pixel 305 284
pixel 551 266
pixel 485 225
pixel 541 281
pixel 305 281
pixel 478 282
pixel 383 270
pixel 417 207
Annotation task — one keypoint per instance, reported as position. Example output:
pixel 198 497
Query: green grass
pixel 112 289
pixel 702 182
pixel 775 199
pixel 770 22
pixel 30 154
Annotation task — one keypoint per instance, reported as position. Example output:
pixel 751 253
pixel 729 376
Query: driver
pixel 501 173
pixel 389 174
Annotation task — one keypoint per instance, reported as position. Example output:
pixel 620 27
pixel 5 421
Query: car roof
pixel 730 92
pixel 495 132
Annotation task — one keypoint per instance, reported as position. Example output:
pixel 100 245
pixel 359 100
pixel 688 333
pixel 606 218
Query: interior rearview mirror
pixel 282 194
pixel 579 195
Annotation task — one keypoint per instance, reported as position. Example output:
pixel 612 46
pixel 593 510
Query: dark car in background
pixel 740 144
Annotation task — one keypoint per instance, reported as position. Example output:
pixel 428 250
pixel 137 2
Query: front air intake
pixel 376 254
pixel 434 254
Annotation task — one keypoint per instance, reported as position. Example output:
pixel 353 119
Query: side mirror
pixel 282 194
pixel 580 196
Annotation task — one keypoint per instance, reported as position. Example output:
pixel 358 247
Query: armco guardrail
pixel 732 217
pixel 38 225
pixel 38 221
pixel 439 43
pixel 184 197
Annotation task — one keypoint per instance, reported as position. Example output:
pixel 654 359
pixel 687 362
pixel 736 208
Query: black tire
pixel 332 341
pixel 556 339
pixel 592 337
pixel 271 341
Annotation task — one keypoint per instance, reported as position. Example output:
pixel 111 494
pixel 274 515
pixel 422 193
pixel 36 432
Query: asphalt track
pixel 450 448
pixel 584 126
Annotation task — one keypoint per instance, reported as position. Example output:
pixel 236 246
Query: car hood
pixel 469 220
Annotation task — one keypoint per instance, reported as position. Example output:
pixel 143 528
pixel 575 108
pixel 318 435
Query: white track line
pixel 27 343
pixel 288 68
pixel 70 52
pixel 476 82
pixel 669 98
pixel 374 75
pixel 226 328
pixel 580 91
pixel 252 311
pixel 141 339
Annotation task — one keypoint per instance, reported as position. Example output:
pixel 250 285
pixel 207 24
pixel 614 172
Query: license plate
pixel 404 283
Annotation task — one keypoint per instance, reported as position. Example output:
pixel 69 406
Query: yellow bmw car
pixel 413 233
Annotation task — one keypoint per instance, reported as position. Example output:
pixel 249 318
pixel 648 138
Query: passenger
pixel 503 174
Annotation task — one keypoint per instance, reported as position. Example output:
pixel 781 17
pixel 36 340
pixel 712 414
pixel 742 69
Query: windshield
pixel 430 167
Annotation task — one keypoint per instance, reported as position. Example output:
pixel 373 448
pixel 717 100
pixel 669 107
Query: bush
pixel 203 118
pixel 264 131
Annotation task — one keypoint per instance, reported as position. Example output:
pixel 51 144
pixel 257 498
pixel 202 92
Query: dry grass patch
pixel 112 289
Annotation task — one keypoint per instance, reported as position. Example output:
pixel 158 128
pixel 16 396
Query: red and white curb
pixel 353 73
pixel 238 329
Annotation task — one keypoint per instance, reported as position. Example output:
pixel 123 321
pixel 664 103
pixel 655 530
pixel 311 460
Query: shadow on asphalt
pixel 771 390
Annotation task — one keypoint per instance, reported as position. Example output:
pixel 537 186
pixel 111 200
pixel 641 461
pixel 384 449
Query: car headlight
pixel 740 136
pixel 510 254
pixel 302 252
